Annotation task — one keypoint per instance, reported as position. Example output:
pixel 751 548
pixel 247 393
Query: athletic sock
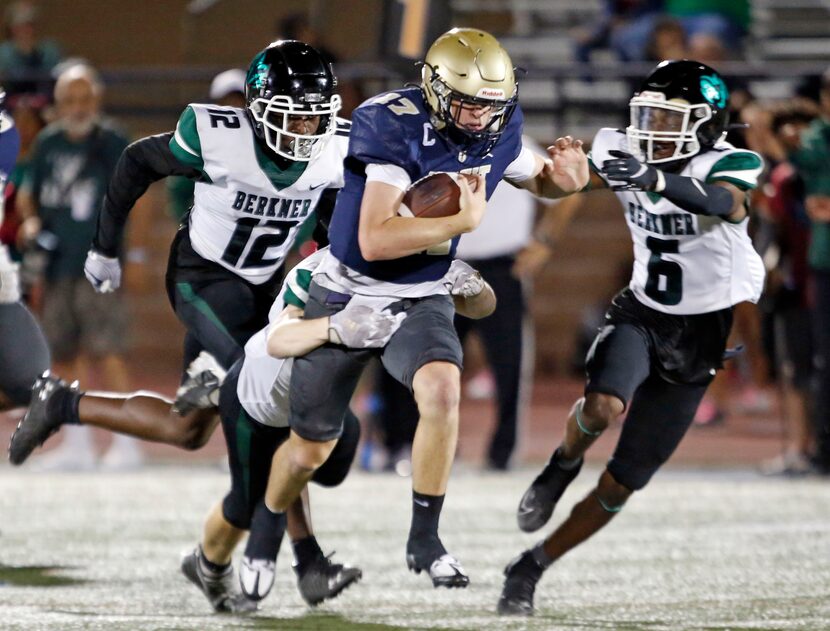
pixel 306 551
pixel 267 530
pixel 426 511
pixel 562 463
pixel 64 405
pixel 208 567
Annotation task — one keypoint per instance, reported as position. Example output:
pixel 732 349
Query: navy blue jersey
pixel 394 128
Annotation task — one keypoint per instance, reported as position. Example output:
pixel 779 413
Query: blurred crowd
pixel 653 30
pixel 790 330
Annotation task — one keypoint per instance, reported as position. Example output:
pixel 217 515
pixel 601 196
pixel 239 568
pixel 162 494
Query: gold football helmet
pixel 466 67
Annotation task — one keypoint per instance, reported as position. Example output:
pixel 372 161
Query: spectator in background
pixel 725 20
pixel 786 291
pixel 667 41
pixel 227 89
pixel 59 199
pixel 812 162
pixel 509 254
pixel 26 61
pixel 624 25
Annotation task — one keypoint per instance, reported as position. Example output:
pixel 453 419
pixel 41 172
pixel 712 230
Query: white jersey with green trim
pixel 264 380
pixel 686 263
pixel 246 210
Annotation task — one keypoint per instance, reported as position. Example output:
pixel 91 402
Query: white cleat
pixel 256 577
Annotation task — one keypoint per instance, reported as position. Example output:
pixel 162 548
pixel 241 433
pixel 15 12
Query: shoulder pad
pixel 606 139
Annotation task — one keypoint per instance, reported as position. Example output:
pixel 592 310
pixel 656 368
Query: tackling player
pixel 684 192
pixel 463 118
pixel 254 406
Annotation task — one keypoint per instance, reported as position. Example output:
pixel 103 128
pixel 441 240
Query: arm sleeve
pixel 522 167
pixel 388 174
pixel 694 196
pixel 142 163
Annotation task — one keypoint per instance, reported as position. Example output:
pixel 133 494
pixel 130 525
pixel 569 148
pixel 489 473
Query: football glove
pixel 463 280
pixel 103 272
pixel 625 168
pixel 363 327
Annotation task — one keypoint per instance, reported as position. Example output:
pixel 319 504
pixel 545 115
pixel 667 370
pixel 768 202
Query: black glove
pixel 626 168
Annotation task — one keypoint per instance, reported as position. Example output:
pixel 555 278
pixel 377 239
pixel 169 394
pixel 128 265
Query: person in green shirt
pixel 812 162
pixel 70 165
pixel 26 60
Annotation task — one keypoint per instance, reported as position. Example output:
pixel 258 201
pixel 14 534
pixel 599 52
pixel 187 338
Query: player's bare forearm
pixel 292 336
pixel 384 235
pixel 401 236
pixel 476 307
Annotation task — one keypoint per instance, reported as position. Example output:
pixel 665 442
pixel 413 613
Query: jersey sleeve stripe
pixel 182 143
pixel 185 143
pixel 740 168
pixel 290 298
pixel 187 132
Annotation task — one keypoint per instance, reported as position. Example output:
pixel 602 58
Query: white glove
pixel 102 271
pixel 363 327
pixel 463 280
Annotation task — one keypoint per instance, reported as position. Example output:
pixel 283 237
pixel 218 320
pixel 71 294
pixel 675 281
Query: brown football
pixel 436 195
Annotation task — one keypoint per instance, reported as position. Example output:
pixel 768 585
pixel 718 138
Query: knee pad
pixel 334 470
pixel 236 511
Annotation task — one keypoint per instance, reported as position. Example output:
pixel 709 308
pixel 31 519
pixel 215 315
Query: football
pixel 436 195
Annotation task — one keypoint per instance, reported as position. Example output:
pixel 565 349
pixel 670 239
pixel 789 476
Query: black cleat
pixel 39 422
pixel 322 580
pixel 520 578
pixel 538 502
pixel 444 569
pixel 221 591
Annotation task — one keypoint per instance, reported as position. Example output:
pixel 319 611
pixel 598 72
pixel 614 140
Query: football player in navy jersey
pixel 463 118
pixel 23 350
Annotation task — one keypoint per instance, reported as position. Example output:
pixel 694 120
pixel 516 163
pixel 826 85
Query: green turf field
pixel 696 550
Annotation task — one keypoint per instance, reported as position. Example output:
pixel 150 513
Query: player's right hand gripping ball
pixel 435 195
pixel 103 272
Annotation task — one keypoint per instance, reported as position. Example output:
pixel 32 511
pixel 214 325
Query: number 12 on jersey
pixel 278 232
pixel 665 278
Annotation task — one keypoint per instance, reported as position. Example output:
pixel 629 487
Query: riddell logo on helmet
pixel 490 93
